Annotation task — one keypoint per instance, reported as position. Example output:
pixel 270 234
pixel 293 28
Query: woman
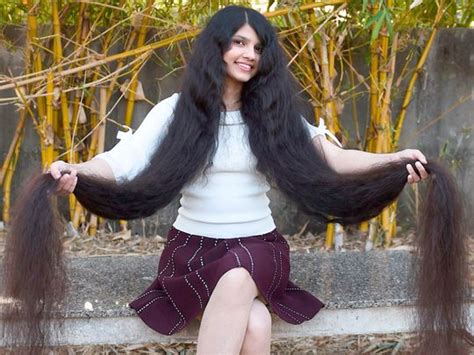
pixel 233 196
pixel 233 130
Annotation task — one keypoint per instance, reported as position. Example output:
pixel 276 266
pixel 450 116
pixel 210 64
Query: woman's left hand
pixel 420 173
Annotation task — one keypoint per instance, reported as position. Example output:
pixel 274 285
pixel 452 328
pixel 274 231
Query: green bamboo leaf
pixel 378 26
pixel 364 5
pixel 373 19
pixel 389 24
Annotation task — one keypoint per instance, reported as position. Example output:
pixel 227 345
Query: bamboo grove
pixel 78 55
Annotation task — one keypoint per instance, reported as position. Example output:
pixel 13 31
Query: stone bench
pixel 364 293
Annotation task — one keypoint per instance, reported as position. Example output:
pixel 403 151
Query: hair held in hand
pixel 34 269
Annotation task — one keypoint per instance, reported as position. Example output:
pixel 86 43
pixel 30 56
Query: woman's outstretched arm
pixel 351 160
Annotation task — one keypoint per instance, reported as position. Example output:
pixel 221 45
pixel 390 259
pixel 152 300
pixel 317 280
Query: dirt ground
pixel 126 243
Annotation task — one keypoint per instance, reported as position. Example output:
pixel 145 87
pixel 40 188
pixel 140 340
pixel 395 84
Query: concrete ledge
pixel 364 293
pixel 131 330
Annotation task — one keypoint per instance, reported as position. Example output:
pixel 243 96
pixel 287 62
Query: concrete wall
pixel 437 123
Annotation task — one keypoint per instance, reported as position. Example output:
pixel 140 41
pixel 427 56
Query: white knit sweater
pixel 231 200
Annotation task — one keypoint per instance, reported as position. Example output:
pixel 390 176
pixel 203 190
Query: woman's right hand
pixel 66 181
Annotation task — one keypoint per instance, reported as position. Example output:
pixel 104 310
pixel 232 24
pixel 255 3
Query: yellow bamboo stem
pixel 37 65
pixel 100 145
pixel 372 237
pixel 371 132
pixel 77 215
pixel 331 58
pixel 388 220
pixel 79 49
pixel 305 7
pixel 13 145
pixel 329 236
pixel 328 93
pixel 58 50
pixel 134 80
pixel 355 118
pixel 68 144
pixel 49 142
pixel 10 169
pixel 392 231
pixel 330 108
pixel 58 56
pixel 364 227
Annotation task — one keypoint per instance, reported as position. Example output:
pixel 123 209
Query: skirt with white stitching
pixel 191 265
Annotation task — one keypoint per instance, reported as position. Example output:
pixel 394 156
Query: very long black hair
pixel 33 264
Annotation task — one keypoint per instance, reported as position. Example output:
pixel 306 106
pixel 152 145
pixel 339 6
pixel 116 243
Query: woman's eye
pixel 258 50
pixel 239 42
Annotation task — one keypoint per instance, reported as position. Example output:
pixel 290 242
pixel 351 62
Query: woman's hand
pixel 67 181
pixel 414 176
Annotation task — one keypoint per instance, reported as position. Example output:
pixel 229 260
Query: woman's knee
pixel 239 282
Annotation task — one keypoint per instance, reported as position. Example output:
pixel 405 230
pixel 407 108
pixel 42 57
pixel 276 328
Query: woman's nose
pixel 249 53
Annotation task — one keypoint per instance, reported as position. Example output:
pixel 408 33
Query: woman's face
pixel 243 56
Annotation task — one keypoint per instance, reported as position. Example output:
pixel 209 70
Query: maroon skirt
pixel 191 265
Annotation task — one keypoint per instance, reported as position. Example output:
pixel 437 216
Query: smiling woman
pixel 243 56
pixel 232 132
pixel 242 60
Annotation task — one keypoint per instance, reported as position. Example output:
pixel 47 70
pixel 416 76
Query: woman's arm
pixel 350 160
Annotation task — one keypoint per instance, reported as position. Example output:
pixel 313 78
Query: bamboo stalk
pixel 328 100
pixel 372 237
pixel 48 123
pixel 57 57
pixel 371 131
pixel 305 7
pixel 79 49
pixel 134 80
pixel 37 65
pixel 9 169
pixel 389 214
pixel 13 145
pixel 100 145
pixel 355 116
pixel 58 50
pixel 364 226
pixel 329 236
pixel 328 91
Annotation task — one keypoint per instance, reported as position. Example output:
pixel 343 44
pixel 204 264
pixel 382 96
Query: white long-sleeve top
pixel 231 200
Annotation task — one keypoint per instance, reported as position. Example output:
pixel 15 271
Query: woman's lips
pixel 244 67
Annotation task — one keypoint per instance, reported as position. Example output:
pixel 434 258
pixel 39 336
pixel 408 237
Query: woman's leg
pixel 225 318
pixel 259 330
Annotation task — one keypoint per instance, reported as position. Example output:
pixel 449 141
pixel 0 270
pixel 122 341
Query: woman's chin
pixel 242 78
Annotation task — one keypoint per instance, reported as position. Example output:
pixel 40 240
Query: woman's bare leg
pixel 225 318
pixel 257 338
